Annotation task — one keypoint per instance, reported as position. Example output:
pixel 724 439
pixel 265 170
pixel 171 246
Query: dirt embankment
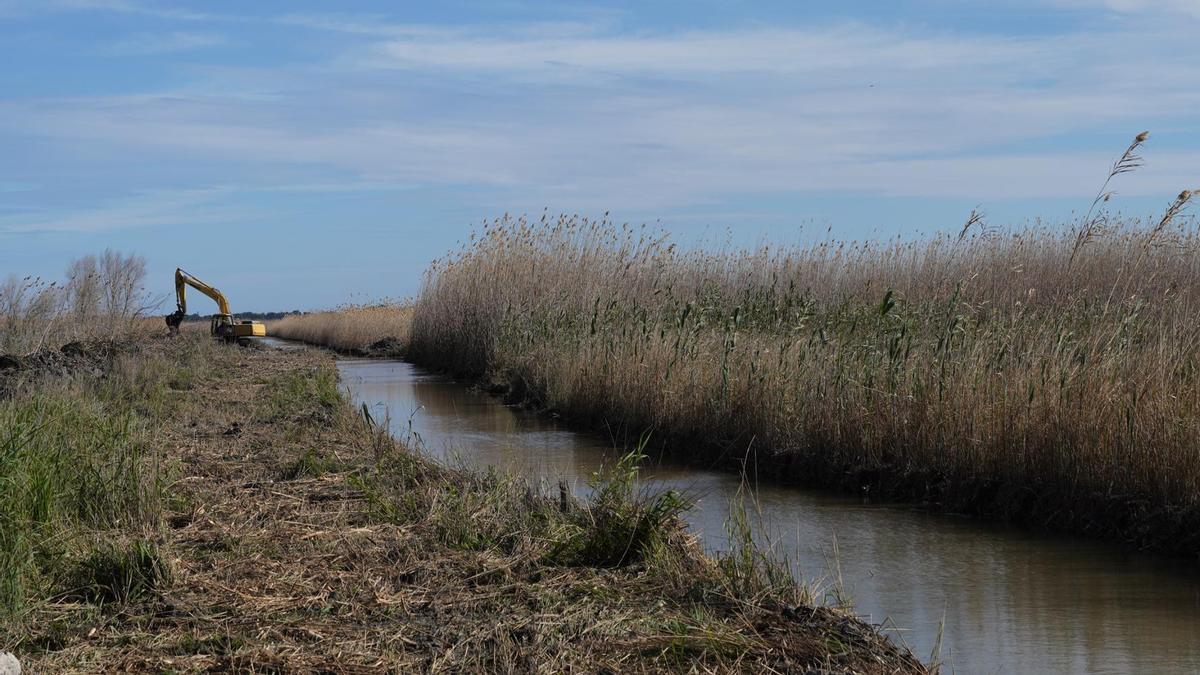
pixel 384 348
pixel 93 357
pixel 388 347
pixel 300 537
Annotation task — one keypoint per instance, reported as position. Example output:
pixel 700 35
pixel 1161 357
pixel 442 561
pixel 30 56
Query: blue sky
pixel 302 154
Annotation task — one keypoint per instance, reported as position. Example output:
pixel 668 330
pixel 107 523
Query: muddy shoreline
pixel 1126 524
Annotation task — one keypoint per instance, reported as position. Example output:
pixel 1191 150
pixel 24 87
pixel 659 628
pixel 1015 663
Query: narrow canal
pixel 1001 600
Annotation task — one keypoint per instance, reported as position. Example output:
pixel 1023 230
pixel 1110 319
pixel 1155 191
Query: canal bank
pixel 995 599
pixel 284 530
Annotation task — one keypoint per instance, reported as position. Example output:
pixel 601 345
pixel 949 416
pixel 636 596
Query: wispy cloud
pixel 169 207
pixel 191 206
pixel 359 24
pixel 1187 7
pixel 590 116
pixel 122 6
pixel 829 52
pixel 14 186
pixel 165 43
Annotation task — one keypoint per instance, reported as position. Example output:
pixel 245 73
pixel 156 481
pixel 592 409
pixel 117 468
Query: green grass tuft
pixel 118 573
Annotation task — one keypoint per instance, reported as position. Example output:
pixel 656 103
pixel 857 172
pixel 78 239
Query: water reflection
pixel 1011 602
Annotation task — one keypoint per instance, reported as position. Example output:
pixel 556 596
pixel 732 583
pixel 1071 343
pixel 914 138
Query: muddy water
pixel 1004 601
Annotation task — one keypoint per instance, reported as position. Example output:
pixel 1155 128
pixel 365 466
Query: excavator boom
pixel 183 280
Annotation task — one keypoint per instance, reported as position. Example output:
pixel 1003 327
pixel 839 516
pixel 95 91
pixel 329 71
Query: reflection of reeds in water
pixel 1041 374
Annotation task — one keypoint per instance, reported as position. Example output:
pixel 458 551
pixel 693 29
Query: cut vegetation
pixel 201 507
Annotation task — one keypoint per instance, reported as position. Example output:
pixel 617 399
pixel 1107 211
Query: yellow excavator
pixel 223 325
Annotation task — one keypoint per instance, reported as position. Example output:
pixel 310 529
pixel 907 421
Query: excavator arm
pixel 183 280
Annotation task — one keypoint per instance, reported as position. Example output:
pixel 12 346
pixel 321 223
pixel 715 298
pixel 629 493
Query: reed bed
pixel 1041 375
pixel 350 329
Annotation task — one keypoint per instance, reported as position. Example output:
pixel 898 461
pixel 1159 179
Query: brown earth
pixel 93 357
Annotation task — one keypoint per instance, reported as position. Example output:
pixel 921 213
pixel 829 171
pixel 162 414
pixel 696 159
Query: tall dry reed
pixel 1034 375
pixel 349 329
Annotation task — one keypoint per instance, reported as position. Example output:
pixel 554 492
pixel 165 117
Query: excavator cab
pixel 223 325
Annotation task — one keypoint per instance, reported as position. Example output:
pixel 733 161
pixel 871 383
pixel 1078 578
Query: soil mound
pixel 388 346
pixel 93 357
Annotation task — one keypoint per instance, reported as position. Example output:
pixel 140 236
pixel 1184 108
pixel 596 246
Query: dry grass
pixel 298 536
pixel 103 297
pixel 1041 375
pixel 351 329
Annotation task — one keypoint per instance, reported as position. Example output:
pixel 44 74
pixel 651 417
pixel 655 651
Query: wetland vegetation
pixel 1042 375
pixel 177 504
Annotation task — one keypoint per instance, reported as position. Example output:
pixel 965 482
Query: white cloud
pixel 651 121
pixel 152 208
pixel 121 7
pixel 172 207
pixel 165 43
pixel 1189 7
pixel 827 52
pixel 360 25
